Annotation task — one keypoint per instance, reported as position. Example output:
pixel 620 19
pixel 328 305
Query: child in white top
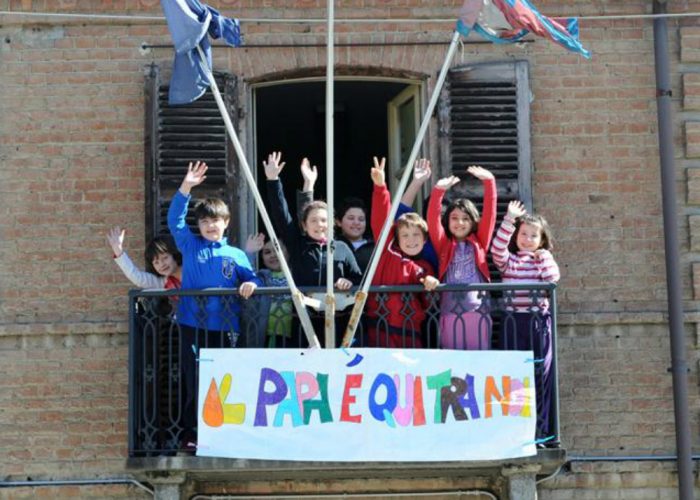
pixel 163 262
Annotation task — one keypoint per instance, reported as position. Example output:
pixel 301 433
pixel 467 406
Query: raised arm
pixel 499 249
pixel 438 236
pixel 306 195
pixel 279 210
pixel 140 278
pixel 177 212
pixel 488 214
pixel 253 245
pixel 421 173
pixel 310 175
pixel 381 199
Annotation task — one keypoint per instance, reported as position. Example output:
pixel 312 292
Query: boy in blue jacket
pixel 208 261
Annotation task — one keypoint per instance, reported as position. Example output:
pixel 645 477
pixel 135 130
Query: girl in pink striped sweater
pixel 521 251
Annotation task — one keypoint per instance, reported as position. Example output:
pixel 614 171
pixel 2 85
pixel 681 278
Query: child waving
pixel 461 238
pixel 399 264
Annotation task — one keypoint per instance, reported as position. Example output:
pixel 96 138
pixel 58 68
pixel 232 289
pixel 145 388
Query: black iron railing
pixel 162 353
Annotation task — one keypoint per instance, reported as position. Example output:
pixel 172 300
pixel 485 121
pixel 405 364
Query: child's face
pixel 529 237
pixel 459 224
pixel 212 228
pixel 164 264
pixel 269 257
pixel 411 240
pixel 316 224
pixel 353 224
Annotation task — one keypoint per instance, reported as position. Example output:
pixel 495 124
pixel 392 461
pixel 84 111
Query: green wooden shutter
pixel 177 135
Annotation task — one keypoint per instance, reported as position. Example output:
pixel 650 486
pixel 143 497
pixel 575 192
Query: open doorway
pixel 290 117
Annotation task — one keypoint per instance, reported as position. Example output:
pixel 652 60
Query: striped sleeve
pixel 499 246
pixel 549 270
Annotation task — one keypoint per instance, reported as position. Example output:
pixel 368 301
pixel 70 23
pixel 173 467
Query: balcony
pixel 158 428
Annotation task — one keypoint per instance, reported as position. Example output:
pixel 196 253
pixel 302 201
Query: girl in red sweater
pixel 461 239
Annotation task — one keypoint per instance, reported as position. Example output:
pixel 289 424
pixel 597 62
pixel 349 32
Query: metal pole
pixel 132 374
pixel 330 104
pixel 361 296
pixel 679 366
pixel 297 296
pixel 554 403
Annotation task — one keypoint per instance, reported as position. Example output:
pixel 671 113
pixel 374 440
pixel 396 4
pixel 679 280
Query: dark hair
pixel 347 204
pixel 283 247
pixel 161 245
pixel 411 219
pixel 313 205
pixel 211 208
pixel 465 206
pixel 533 220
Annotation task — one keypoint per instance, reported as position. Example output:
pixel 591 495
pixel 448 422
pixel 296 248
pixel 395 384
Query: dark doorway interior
pixel 291 118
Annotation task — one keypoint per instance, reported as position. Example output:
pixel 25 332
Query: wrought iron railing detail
pixel 157 423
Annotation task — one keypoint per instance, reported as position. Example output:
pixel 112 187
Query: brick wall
pixel 71 152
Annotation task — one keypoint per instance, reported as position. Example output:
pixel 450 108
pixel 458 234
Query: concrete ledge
pixel 217 469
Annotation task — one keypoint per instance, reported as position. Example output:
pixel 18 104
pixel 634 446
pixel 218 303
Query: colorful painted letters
pixel 299 398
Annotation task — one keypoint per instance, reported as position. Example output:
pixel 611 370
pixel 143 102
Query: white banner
pixel 366 404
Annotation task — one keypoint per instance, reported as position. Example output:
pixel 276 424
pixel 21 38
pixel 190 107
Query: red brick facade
pixel 72 165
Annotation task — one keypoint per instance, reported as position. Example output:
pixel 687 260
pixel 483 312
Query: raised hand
pixel 115 238
pixel 254 243
pixel 480 173
pixel 447 182
pixel 194 177
pixel 309 174
pixel 377 173
pixel 273 166
pixel 516 209
pixel 421 171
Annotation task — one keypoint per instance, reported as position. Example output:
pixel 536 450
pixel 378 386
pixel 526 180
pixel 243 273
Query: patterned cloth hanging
pixel 508 21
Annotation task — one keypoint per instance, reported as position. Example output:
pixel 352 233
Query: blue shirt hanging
pixel 189 22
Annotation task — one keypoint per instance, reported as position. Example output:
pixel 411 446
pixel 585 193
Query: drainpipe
pixel 679 365
pixel 74 482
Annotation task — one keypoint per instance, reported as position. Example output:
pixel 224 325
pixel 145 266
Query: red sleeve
pixel 381 206
pixel 438 237
pixel 488 214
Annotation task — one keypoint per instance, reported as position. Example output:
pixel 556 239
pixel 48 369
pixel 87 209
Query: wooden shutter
pixel 484 119
pixel 177 135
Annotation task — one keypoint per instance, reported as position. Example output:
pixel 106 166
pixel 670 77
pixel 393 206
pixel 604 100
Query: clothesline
pixel 262 20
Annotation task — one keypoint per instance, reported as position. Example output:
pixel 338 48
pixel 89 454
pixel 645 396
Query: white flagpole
pixel 297 296
pixel 330 104
pixel 361 296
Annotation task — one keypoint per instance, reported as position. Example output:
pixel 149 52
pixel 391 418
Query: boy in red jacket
pixel 394 320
